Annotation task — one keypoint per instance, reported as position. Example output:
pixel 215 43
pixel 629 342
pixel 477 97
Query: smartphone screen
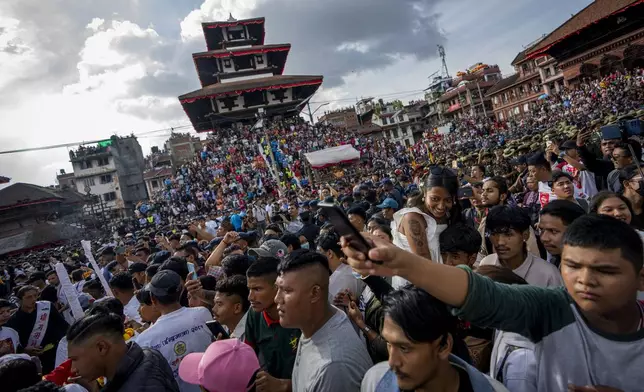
pixel 191 269
pixel 465 193
pixel 343 227
pixel 216 328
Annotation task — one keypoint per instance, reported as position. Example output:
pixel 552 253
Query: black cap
pixel 137 267
pixel 108 251
pixel 164 283
pixel 160 257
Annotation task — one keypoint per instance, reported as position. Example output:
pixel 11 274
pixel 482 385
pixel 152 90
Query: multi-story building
pixel 604 37
pixel 433 94
pixel 467 97
pixel 516 95
pixel 66 180
pixel 346 118
pixel 112 171
pixel 159 168
pixel 393 122
pixel 239 75
pixel 182 148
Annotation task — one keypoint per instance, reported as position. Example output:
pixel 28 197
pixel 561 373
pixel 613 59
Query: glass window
pixel 106 178
pixel 110 196
pixel 260 59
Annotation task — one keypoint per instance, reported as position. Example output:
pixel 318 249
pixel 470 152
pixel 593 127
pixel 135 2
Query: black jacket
pixel 142 370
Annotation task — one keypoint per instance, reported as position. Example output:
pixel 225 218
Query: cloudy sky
pixel 74 70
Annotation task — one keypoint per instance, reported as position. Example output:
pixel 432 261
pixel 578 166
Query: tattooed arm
pixel 414 228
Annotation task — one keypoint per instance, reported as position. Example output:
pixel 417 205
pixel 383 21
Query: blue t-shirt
pixel 236 221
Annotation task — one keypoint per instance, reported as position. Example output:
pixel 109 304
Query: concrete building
pixel 182 148
pixel 467 96
pixel 393 122
pixel 113 171
pixel 604 37
pixel 433 94
pixel 66 180
pixel 346 118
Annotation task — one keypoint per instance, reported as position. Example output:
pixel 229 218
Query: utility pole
pixel 308 104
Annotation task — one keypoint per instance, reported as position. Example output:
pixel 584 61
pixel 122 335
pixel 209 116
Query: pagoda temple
pixel 239 74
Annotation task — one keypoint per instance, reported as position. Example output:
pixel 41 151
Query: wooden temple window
pixel 279 95
pixel 228 103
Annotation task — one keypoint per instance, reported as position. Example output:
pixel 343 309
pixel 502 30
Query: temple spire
pixel 230 18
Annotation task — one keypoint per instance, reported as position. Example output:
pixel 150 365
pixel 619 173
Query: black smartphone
pixel 217 329
pixel 464 193
pixel 343 226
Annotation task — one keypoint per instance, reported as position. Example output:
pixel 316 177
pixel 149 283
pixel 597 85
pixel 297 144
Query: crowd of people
pixel 503 256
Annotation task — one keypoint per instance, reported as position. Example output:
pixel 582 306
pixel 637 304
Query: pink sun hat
pixel 226 366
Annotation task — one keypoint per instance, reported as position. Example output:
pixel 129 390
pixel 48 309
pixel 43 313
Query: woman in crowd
pixel 417 228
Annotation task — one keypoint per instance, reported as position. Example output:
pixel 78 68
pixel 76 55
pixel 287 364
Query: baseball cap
pixel 227 366
pixel 137 267
pixel 164 283
pixel 389 203
pixel 270 248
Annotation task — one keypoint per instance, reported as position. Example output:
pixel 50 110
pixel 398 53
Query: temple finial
pixel 230 18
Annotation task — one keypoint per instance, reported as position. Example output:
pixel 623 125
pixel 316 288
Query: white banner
pixel 69 291
pixel 87 247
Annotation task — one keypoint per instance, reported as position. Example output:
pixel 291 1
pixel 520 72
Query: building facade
pixel 467 96
pixel 113 172
pixel 605 37
pixel 181 148
pixel 239 75
pixel 346 118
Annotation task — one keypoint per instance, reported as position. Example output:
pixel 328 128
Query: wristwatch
pixel 366 329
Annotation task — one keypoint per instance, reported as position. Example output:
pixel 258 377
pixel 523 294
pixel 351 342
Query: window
pixel 106 178
pixel 89 182
pixel 259 59
pixel 501 116
pixel 226 63
pixel 401 118
pixel 103 161
pixel 395 133
pixel 548 72
pixel 110 196
pixel 526 108
pixel 495 100
pixel 155 184
pixel 86 164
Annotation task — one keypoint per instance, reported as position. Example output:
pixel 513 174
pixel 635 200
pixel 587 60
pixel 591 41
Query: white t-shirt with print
pixel 178 334
pixel 9 340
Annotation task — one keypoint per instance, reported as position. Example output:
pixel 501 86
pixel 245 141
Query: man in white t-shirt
pixel 9 339
pixel 123 289
pixel 179 331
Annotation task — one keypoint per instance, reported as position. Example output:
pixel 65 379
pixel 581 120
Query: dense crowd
pixel 503 256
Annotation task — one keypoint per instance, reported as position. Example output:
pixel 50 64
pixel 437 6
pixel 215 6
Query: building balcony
pixel 552 78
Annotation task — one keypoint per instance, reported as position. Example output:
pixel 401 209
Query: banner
pixel 70 292
pixel 87 247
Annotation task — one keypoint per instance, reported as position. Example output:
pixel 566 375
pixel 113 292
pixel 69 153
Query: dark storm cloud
pixel 390 29
pixel 58 30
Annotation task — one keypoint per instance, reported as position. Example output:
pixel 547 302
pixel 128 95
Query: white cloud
pixel 212 10
pixel 96 24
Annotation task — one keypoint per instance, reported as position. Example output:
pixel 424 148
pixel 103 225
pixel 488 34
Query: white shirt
pixel 534 270
pixel 131 310
pixel 342 279
pixel 9 340
pixel 176 335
